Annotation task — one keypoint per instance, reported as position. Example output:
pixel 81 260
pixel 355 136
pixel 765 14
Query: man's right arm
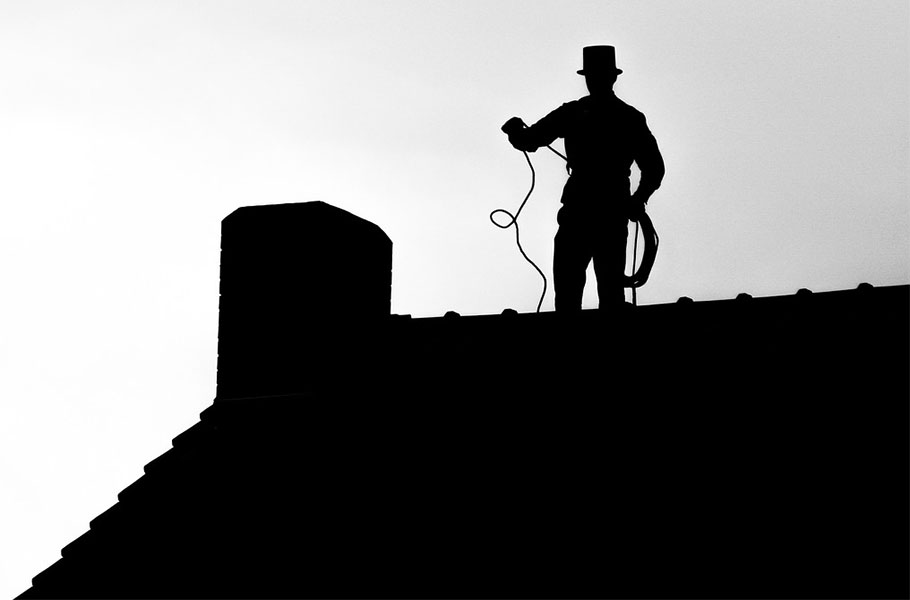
pixel 540 134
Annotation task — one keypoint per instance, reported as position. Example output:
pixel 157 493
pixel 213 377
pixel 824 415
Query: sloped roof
pixel 750 447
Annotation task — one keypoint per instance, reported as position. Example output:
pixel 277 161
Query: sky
pixel 129 129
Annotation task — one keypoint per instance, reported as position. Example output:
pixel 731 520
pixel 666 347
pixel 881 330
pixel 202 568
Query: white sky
pixel 128 130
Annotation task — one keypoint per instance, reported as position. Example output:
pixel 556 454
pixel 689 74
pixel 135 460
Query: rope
pixel 513 220
pixel 634 258
pixel 557 153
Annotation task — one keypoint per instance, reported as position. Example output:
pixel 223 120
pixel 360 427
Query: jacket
pixel 603 137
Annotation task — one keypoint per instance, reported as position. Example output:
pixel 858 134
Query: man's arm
pixel 650 163
pixel 540 134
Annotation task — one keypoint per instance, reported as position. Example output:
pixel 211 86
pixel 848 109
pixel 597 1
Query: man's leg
pixel 610 263
pixel 571 256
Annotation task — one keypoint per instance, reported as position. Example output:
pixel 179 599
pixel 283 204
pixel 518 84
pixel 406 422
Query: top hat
pixel 599 59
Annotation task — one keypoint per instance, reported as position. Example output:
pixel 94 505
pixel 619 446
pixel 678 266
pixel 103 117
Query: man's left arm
pixel 650 163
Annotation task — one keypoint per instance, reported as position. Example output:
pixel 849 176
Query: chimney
pixel 303 289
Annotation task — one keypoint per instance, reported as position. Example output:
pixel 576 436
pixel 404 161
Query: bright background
pixel 128 130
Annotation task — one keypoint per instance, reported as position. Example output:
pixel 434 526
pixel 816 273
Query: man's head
pixel 600 84
pixel 599 69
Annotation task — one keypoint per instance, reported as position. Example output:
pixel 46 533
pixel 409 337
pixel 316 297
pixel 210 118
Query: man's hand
pixel 636 208
pixel 512 125
pixel 515 128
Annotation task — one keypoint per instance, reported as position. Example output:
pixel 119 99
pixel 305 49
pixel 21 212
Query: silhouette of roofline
pixel 739 447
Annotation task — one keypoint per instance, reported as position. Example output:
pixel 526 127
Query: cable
pixel 514 221
pixel 647 260
pixel 634 258
pixel 560 155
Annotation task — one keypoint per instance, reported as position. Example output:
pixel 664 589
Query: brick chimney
pixel 302 288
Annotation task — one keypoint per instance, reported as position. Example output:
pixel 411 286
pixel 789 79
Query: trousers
pixel 586 233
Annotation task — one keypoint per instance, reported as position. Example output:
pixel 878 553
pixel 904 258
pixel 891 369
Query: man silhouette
pixel 603 136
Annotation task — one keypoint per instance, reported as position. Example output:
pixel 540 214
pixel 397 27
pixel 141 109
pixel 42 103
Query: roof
pixel 744 447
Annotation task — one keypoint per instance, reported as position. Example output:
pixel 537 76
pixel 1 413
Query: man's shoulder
pixel 628 108
pixel 570 106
